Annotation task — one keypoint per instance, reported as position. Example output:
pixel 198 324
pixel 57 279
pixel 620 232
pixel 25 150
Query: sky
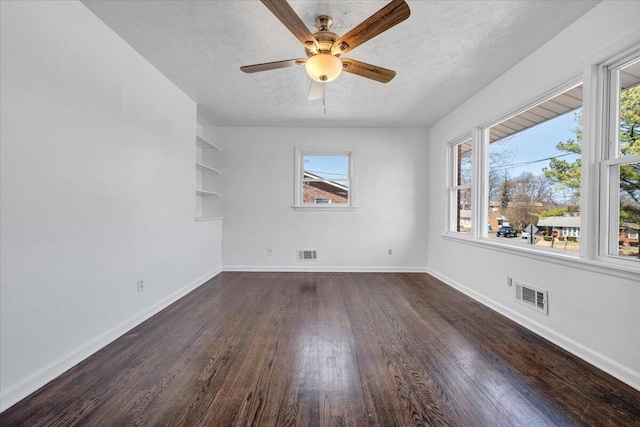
pixel 330 167
pixel 539 142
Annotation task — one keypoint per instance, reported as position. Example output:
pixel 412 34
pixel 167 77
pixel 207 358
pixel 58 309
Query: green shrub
pixel 561 238
pixel 572 238
pixel 547 238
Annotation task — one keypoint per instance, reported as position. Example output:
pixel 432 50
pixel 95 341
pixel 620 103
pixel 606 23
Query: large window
pixel 558 177
pixel 621 165
pixel 533 174
pixel 324 179
pixel 460 188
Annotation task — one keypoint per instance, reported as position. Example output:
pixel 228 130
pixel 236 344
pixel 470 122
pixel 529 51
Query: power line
pixel 529 162
pixel 326 173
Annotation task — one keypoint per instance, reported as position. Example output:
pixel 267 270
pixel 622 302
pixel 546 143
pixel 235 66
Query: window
pixel 324 179
pixel 460 188
pixel 533 171
pixel 578 186
pixel 621 163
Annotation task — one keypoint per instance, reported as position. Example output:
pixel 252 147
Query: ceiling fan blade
pixel 283 11
pixel 316 90
pixel 272 65
pixel 387 17
pixel 369 71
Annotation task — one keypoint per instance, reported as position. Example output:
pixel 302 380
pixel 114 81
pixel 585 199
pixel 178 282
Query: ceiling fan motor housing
pixel 325 38
pixel 324 23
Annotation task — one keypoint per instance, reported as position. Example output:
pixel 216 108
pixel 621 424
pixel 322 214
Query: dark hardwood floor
pixel 330 349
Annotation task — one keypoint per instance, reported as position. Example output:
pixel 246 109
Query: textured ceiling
pixel 444 53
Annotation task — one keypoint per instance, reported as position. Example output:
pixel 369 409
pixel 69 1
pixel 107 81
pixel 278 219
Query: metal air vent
pixel 307 255
pixel 532 297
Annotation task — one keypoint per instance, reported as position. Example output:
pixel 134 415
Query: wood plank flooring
pixel 329 349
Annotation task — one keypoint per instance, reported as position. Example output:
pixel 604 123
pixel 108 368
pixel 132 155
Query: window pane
pixel 463 211
pixel 460 191
pixel 325 180
pixel 534 174
pixel 463 155
pixel 326 167
pixel 629 208
pixel 629 110
pixel 325 192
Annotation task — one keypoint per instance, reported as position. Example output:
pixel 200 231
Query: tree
pixel 528 194
pixel 630 145
pixel 504 199
pixel 501 155
pixel 630 121
pixel 521 214
pixel 564 173
pixel 531 188
pixel 557 211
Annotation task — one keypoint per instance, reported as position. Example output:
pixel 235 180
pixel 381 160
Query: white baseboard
pixel 307 267
pixel 598 360
pixel 19 391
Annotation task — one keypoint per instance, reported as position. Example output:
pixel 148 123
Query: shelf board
pixel 209 218
pixel 207 169
pixel 207 193
pixel 203 144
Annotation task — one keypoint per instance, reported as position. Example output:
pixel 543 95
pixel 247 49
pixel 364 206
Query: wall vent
pixel 307 255
pixel 537 299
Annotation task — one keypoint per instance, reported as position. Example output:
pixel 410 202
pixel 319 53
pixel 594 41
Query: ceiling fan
pixel 323 48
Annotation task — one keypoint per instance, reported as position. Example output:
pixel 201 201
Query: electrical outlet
pixel 269 251
pixel 509 281
pixel 390 251
pixel 140 285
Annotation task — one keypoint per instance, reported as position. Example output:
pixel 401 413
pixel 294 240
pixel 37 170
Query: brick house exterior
pixel 629 235
pixel 496 219
pixel 323 191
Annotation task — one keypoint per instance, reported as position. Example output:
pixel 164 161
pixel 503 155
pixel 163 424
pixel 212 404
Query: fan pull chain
pixel 324 104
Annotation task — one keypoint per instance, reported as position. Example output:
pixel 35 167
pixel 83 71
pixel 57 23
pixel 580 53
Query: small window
pixel 622 167
pixel 460 189
pixel 324 179
pixel 534 172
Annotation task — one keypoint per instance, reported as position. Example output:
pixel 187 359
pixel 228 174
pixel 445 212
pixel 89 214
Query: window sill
pixel 324 208
pixel 625 272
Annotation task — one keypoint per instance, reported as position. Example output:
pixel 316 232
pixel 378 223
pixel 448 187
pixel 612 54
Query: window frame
pixel 300 153
pixel 609 158
pixel 453 187
pixel 483 135
pixel 596 232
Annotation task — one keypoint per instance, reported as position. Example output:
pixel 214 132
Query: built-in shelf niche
pixel 207 169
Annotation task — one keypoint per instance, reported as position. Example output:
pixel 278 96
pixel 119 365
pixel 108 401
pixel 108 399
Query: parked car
pixel 525 235
pixel 506 231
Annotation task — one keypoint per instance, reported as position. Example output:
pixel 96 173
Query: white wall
pixel 97 188
pixel 258 185
pixel 592 314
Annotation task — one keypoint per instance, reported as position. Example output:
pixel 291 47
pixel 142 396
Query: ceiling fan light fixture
pixel 323 67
